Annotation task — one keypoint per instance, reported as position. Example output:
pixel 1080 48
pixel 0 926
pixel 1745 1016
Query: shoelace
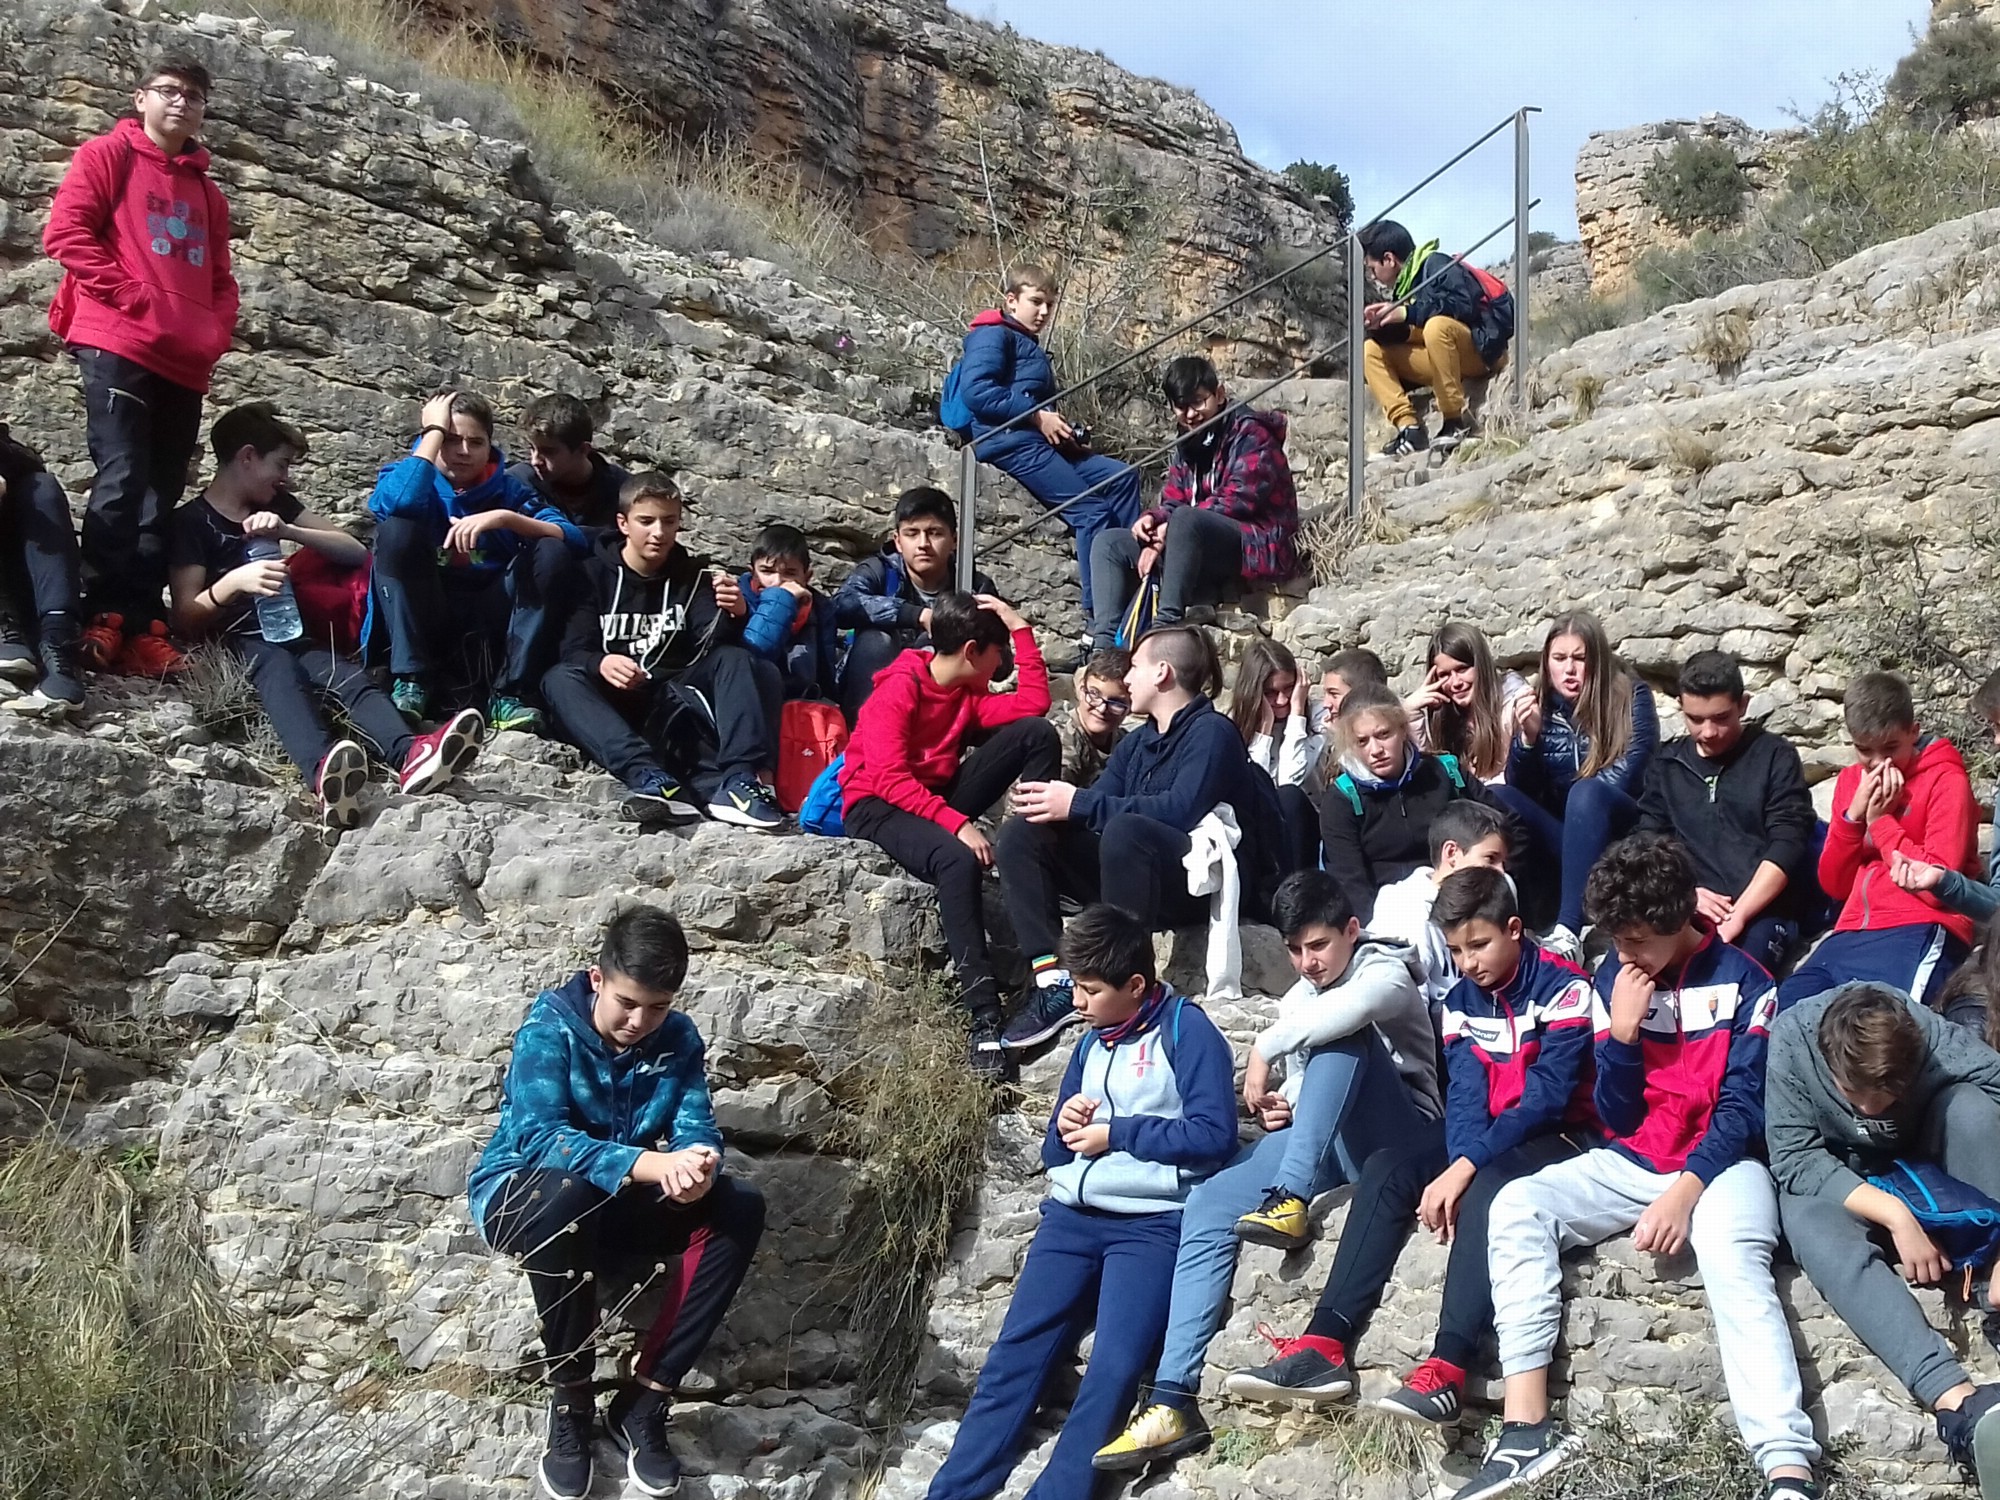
pixel 1273 1196
pixel 1280 1345
pixel 569 1434
pixel 1429 1378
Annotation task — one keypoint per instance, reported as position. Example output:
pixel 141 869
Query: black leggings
pixel 1025 750
pixel 1134 865
pixel 569 1233
pixel 1382 1216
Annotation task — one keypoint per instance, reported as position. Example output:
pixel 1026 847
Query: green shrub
pixel 1952 75
pixel 1540 240
pixel 1320 181
pixel 1697 185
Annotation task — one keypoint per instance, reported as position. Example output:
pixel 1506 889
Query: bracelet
pixel 424 432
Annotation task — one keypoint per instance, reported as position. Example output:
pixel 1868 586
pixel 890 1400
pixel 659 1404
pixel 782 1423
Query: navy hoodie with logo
pixel 666 622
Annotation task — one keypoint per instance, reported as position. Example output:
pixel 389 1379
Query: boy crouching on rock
pixel 607 1148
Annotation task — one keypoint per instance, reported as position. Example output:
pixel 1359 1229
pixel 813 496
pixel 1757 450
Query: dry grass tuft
pixel 1722 342
pixel 1691 452
pixel 217 687
pixel 1328 536
pixel 1584 391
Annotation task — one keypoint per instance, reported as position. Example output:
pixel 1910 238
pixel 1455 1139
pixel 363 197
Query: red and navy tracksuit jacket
pixel 1518 1060
pixel 1689 1094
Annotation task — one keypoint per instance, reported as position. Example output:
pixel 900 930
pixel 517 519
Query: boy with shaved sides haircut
pixel 1735 795
pixel 1517 1041
pixel 1682 1023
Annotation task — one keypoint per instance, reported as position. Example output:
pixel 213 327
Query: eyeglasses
pixel 173 93
pixel 1098 703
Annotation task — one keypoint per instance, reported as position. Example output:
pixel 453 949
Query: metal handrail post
pixel 1523 361
pixel 968 499
pixel 1357 392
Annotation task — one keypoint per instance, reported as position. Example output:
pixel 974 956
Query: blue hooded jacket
pixel 808 658
pixel 574 1104
pixel 1004 373
pixel 414 487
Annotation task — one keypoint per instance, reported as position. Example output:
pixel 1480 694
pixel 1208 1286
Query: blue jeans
pixel 1353 1103
pixel 1083 1267
pixel 1595 814
pixel 1032 460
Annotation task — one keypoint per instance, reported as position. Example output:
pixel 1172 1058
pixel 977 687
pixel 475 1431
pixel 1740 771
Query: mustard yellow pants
pixel 1440 355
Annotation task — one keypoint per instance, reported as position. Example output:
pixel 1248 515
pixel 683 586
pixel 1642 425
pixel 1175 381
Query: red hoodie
pixel 144 239
pixel 1935 821
pixel 910 734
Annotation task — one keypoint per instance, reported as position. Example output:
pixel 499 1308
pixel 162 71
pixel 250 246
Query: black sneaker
pixel 985 1054
pixel 18 662
pixel 638 1425
pixel 656 800
pixel 1524 1451
pixel 748 803
pixel 1455 430
pixel 1303 1371
pixel 1432 1393
pixel 1049 1010
pixel 565 1469
pixel 61 652
pixel 1407 440
pixel 1972 1433
pixel 1789 1488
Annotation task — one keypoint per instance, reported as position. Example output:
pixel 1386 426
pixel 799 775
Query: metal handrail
pixel 1008 538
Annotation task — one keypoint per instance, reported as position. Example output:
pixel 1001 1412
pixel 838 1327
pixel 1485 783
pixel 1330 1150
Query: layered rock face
pixel 384 255
pixel 1616 223
pixel 910 111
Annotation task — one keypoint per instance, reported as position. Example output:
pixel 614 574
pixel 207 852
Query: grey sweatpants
pixel 1849 1260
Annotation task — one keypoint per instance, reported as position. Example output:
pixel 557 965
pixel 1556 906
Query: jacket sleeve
pixel 1177 489
pixel 1788 813
pixel 1949 832
pixel 1564 1052
pixel 1466 1095
pixel 1298 752
pixel 768 630
pixel 1737 1123
pixel 1656 812
pixel 79 220
pixel 1527 770
pixel 526 500
pixel 1968 897
pixel 885 725
pixel 1030 698
pixel 863 602
pixel 1801 1162
pixel 1205 1073
pixel 985 378
pixel 582 632
pixel 407 487
pixel 538 1099
pixel 1247 489
pixel 1454 294
pixel 1620 1091
pixel 1054 1152
pixel 1367 999
pixel 1628 771
pixel 1840 860
pixel 1201 773
pixel 1342 856
pixel 694 1116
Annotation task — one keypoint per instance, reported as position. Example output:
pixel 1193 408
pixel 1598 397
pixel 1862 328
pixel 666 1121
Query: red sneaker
pixel 440 755
pixel 151 654
pixel 1434 1393
pixel 103 642
pixel 342 775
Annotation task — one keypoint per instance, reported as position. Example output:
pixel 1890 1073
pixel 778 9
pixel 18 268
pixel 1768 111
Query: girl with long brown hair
pixel 1468 708
pixel 1269 709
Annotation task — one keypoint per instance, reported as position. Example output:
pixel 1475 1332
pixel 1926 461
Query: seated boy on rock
pixel 1146 1108
pixel 934 748
pixel 1517 1041
pixel 1464 835
pixel 1683 1021
pixel 468 564
pixel 41 591
pixel 1089 727
pixel 1910 796
pixel 607 1152
pixel 563 466
pixel 654 683
pixel 886 601
pixel 1861 1081
pixel 216 586
pixel 790 623
pixel 1360 1073
pixel 1123 838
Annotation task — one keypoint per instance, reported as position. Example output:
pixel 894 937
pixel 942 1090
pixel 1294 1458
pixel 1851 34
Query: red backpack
pixel 811 736
pixel 332 600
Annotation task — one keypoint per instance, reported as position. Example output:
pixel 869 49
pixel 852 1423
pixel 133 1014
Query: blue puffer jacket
pixel 1004 373
pixel 1547 769
pixel 573 1104
pixel 809 655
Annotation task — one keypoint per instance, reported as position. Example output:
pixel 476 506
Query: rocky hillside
pixel 928 124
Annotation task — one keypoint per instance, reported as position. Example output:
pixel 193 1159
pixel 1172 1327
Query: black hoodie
pixel 1735 812
pixel 666 623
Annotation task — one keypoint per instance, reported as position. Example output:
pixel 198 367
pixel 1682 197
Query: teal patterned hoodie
pixel 575 1104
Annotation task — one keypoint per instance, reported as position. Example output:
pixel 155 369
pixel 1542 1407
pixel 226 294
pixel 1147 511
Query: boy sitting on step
pixel 790 623
pixel 1145 1109
pixel 1464 835
pixel 607 1147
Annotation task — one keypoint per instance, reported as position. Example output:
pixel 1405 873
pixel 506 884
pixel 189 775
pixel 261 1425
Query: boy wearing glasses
pixel 1089 727
pixel 147 305
pixel 1227 510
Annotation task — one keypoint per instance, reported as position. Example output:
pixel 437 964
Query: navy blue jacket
pixel 1455 294
pixel 1547 769
pixel 1004 373
pixel 598 510
pixel 878 594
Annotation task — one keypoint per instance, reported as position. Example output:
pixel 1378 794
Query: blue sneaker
pixel 658 799
pixel 1049 1011
pixel 748 803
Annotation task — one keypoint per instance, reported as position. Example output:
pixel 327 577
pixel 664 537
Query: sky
pixel 1369 89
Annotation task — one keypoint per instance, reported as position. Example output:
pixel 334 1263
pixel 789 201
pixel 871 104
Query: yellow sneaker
pixel 1157 1434
pixel 1281 1221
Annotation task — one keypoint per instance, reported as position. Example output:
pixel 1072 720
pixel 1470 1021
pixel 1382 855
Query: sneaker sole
pixel 23 671
pixel 729 812
pixel 1131 1463
pixel 542 1476
pixel 1251 1388
pixel 1258 1234
pixel 1036 1038
pixel 342 776
pixel 632 1473
pixel 1986 1454
pixel 454 753
pixel 1389 1406
pixel 1548 1461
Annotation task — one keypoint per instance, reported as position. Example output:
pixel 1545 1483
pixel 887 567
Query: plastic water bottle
pixel 278 616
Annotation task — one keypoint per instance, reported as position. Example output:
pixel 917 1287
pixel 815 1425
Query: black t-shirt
pixel 202 534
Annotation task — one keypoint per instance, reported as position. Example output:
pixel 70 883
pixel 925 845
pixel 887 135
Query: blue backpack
pixel 953 413
pixel 820 812
pixel 1961 1221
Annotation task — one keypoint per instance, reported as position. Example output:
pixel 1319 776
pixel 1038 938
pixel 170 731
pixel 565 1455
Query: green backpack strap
pixel 1344 784
pixel 1453 770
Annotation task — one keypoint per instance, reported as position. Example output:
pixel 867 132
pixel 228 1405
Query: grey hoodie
pixel 1383 988
pixel 1820 1145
